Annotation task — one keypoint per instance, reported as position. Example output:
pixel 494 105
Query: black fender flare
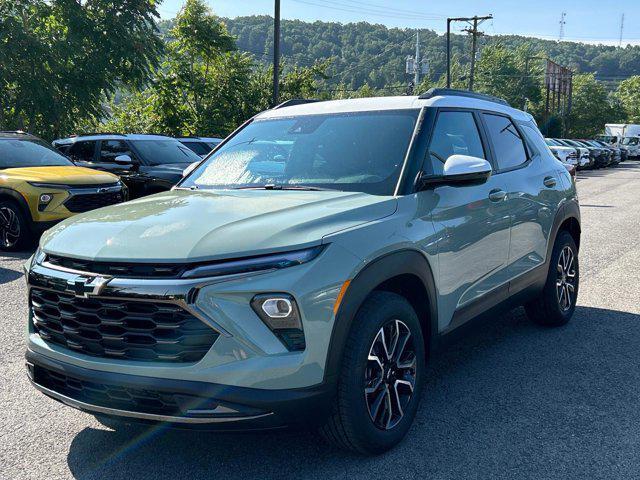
pixel 19 199
pixel 371 276
pixel 570 209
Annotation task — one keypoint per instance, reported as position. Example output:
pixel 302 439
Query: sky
pixel 591 21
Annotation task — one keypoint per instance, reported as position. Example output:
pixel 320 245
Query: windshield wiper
pixel 283 187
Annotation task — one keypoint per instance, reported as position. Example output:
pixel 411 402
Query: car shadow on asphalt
pixel 7 274
pixel 509 396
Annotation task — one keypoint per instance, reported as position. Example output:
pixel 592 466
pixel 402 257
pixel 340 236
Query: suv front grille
pixel 122 329
pixel 123 270
pixel 83 202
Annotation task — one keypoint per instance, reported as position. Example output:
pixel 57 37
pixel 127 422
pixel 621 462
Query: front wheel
pixel 557 302
pixel 381 377
pixel 14 230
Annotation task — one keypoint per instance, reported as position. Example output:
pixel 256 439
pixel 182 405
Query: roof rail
pixel 436 92
pixel 89 134
pixel 295 101
pixel 20 132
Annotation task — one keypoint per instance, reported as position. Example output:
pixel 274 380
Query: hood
pixel 562 149
pixel 65 175
pixel 183 225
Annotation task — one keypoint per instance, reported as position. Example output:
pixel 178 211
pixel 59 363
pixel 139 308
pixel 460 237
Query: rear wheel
pixel 557 302
pixel 381 377
pixel 14 229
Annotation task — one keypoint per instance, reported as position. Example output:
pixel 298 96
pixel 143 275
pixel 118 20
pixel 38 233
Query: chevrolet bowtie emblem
pixel 87 286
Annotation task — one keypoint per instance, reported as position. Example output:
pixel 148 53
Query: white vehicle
pixel 621 130
pixel 568 155
pixel 632 145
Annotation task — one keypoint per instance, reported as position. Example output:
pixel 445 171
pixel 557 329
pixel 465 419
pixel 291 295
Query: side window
pixel 534 139
pixel 507 142
pixel 83 151
pixel 110 149
pixel 455 133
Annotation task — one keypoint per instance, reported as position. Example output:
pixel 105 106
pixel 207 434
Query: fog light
pixel 277 307
pixel 44 200
pixel 280 313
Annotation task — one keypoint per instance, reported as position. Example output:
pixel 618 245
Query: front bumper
pixel 179 403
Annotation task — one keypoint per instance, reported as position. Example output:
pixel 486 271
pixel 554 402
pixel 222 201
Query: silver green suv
pixel 303 272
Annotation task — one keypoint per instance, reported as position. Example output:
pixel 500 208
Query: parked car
pixel 567 155
pixel 39 187
pixel 612 154
pixel 201 146
pixel 617 154
pixel 146 163
pixel 585 161
pixel 313 293
pixel 598 156
pixel 632 145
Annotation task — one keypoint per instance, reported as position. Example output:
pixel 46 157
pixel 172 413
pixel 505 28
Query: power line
pixel 366 11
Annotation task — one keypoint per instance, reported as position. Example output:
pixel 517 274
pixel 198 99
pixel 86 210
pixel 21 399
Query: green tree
pixel 205 86
pixel 59 59
pixel 591 107
pixel 628 93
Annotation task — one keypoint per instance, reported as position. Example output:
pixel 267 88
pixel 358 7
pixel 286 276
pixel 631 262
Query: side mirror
pixel 190 169
pixel 124 160
pixel 460 170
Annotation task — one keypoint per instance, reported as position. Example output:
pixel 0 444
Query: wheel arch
pixel 407 273
pixel 567 219
pixel 9 194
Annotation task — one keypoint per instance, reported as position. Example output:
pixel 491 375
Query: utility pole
pixel 474 31
pixel 276 52
pixel 621 30
pixel 416 78
pixel 562 24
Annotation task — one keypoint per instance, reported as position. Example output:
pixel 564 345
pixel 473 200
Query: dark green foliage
pixel 59 59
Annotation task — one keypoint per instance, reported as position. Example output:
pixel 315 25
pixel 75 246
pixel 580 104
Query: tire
pixel 352 425
pixel 15 231
pixel 557 302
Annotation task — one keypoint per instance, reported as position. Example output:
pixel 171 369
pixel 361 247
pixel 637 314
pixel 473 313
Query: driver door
pixel 108 150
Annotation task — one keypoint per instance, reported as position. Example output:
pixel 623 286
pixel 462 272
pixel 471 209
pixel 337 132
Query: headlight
pixel 38 257
pixel 59 186
pixel 254 264
pixel 279 312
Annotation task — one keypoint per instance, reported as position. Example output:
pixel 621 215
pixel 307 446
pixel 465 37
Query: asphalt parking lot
pixel 509 400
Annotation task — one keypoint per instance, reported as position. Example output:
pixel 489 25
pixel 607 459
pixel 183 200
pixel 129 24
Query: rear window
pixel 161 152
pixel 508 145
pixel 16 153
pixel 199 148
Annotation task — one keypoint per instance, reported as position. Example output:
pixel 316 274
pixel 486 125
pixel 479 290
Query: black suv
pixel 146 163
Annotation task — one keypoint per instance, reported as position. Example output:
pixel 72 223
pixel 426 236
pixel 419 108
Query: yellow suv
pixel 39 187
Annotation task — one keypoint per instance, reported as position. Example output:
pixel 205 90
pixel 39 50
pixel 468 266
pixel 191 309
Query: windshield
pixel 607 138
pixel 360 152
pixel 160 152
pixel 199 148
pixel 630 141
pixel 552 143
pixel 18 152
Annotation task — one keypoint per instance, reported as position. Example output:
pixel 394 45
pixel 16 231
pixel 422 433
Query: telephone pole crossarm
pixel 474 31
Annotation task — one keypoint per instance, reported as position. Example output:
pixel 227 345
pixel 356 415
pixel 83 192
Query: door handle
pixel 549 182
pixel 497 195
